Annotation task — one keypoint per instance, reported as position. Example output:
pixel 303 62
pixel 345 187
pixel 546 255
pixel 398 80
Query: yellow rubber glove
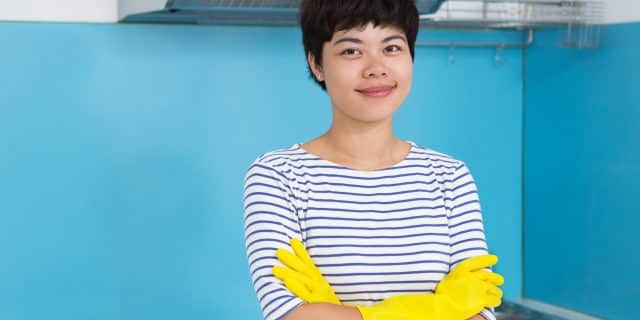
pixel 302 277
pixel 463 293
pixel 465 283
pixel 457 284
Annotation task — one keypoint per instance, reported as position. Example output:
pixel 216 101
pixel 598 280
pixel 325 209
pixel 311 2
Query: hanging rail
pixel 523 44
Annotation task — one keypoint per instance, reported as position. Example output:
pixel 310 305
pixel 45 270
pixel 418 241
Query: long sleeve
pixel 270 220
pixel 466 229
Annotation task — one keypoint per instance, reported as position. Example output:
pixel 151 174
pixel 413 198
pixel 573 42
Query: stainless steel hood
pixel 231 12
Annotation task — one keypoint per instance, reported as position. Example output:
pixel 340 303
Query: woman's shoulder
pixel 292 152
pixel 435 157
pixel 272 166
pixel 277 160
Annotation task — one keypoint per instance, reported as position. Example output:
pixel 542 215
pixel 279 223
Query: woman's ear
pixel 315 68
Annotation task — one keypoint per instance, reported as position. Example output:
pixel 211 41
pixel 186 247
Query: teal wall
pixel 582 174
pixel 123 150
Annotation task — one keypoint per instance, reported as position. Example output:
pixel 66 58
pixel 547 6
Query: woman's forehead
pixel 369 30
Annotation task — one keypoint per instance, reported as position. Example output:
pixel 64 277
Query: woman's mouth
pixel 377 91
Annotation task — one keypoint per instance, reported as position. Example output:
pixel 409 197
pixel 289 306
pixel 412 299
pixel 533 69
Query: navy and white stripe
pixel 373 234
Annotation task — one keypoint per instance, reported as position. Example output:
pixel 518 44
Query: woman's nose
pixel 376 74
pixel 376 69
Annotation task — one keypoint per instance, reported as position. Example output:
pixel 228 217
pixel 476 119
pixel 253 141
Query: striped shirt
pixel 372 234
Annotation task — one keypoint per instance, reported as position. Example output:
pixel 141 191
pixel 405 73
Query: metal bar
pixel 524 44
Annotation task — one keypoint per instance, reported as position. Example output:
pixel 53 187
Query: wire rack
pixel 497 14
pixel 580 20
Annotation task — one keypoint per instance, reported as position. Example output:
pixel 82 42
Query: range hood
pixel 476 14
pixel 224 12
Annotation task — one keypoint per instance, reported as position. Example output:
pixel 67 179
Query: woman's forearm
pixel 323 311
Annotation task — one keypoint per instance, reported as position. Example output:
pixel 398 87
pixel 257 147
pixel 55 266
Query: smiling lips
pixel 377 91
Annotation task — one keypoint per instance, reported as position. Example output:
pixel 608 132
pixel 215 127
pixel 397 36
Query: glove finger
pixel 291 260
pixel 284 273
pixel 299 289
pixel 476 263
pixel 493 302
pixel 490 277
pixel 302 253
pixel 494 292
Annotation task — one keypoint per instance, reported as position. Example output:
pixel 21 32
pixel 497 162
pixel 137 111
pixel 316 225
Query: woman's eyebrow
pixel 358 41
pixel 347 39
pixel 396 36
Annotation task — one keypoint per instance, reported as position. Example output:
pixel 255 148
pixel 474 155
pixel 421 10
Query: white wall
pixel 127 7
pixel 59 10
pixel 619 11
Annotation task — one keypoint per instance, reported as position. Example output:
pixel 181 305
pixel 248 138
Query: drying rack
pixel 580 20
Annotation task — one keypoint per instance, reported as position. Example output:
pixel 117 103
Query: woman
pixel 379 216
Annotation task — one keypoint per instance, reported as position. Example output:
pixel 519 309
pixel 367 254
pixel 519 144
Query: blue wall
pixel 582 174
pixel 123 149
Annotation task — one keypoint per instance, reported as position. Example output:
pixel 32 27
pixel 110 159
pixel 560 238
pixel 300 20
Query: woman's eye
pixel 350 52
pixel 393 48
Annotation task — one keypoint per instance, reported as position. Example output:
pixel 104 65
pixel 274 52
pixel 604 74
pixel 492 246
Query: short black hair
pixel 319 19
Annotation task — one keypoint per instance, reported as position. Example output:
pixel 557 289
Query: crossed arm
pixel 465 291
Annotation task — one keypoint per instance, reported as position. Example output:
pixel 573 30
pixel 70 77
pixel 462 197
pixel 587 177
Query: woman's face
pixel 367 71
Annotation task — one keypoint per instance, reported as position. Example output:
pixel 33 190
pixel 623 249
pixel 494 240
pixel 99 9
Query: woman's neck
pixel 377 145
pixel 359 149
